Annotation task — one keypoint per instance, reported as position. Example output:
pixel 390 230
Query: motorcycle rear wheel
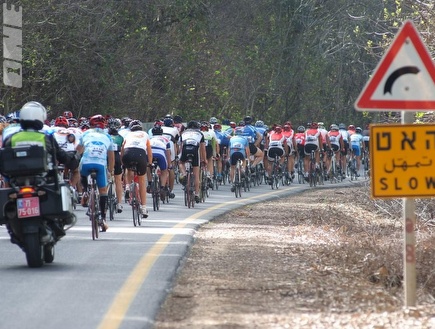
pixel 33 250
pixel 49 253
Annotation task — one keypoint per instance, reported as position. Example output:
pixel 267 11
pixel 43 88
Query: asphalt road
pixel 117 281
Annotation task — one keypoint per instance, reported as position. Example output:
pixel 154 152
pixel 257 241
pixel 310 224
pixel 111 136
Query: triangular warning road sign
pixel 404 78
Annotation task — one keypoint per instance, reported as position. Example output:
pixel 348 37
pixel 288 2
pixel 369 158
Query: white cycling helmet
pixel 33 115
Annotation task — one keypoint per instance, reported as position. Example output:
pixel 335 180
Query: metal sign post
pixel 409 261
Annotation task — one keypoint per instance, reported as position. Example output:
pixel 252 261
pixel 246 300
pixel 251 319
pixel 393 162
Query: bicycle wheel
pixel 155 193
pixel 134 203
pixel 192 190
pixel 93 215
pixel 111 201
pixel 353 170
pixel 237 183
pixel 320 177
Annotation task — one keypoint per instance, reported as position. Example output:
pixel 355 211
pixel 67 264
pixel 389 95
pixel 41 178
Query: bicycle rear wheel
pixel 134 204
pixel 93 214
pixel 111 205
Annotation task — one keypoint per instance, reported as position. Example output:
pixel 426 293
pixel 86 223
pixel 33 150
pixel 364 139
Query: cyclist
pixel 223 140
pixel 344 133
pixel 291 147
pixel 356 142
pixel 337 144
pixel 300 143
pixel 97 148
pixel 192 144
pixel 13 120
pixel 275 145
pixel 137 148
pixel 68 140
pixel 172 133
pixel 254 140
pixel 161 149
pixel 239 150
pixel 113 125
pixel 366 137
pixel 211 148
pixel 313 142
pixel 124 130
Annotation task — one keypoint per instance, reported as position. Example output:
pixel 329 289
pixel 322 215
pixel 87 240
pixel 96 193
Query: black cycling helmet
pixel 178 119
pixel 135 125
pixel 193 125
pixel 157 130
pixel 168 122
pixel 247 120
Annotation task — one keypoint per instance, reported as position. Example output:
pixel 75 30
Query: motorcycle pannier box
pixel 23 161
pixel 4 198
pixel 57 202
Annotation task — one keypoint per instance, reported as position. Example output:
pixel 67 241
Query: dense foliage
pixel 273 59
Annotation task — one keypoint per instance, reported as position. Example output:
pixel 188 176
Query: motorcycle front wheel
pixel 33 250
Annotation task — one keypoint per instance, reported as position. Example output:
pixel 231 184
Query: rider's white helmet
pixel 33 115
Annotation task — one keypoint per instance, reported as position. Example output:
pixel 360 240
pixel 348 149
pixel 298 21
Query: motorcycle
pixel 36 208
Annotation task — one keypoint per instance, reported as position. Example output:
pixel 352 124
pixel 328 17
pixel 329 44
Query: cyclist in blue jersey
pixel 254 139
pixel 239 149
pixel 224 142
pixel 98 154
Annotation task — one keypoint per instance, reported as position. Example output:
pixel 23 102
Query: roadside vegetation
pixel 327 258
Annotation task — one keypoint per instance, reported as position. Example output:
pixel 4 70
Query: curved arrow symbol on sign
pixel 398 73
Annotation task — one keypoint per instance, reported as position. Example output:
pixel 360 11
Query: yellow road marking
pixel 123 299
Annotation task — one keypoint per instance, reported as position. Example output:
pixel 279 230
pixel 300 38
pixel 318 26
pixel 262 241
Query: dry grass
pixel 323 259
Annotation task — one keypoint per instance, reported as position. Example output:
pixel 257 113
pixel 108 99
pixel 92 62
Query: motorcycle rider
pixel 32 117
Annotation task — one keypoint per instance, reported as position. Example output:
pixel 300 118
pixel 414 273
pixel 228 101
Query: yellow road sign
pixel 402 161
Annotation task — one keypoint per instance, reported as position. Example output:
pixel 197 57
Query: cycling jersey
pixel 96 144
pixel 355 142
pixel 334 139
pixel 191 140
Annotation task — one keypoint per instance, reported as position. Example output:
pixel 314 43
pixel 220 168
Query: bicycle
pixel 155 187
pixel 189 188
pixel 203 182
pixel 300 165
pixel 286 175
pixel 351 167
pixel 247 178
pixel 335 174
pixel 134 196
pixel 216 183
pixel 238 179
pixel 225 167
pixel 366 162
pixel 321 169
pixel 112 201
pixel 275 176
pixel 176 170
pixel 312 174
pixel 94 204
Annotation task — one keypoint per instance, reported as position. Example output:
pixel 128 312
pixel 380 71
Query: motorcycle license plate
pixel 28 207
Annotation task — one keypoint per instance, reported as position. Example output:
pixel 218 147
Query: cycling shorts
pixel 356 150
pixel 160 157
pixel 86 168
pixel 191 150
pixel 310 147
pixel 118 167
pixel 252 148
pixel 235 157
pixel 273 152
pixel 135 155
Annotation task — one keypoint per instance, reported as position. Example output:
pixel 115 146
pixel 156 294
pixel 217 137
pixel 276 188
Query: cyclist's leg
pixel 118 181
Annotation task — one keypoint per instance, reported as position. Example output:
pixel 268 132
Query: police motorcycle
pixel 36 208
